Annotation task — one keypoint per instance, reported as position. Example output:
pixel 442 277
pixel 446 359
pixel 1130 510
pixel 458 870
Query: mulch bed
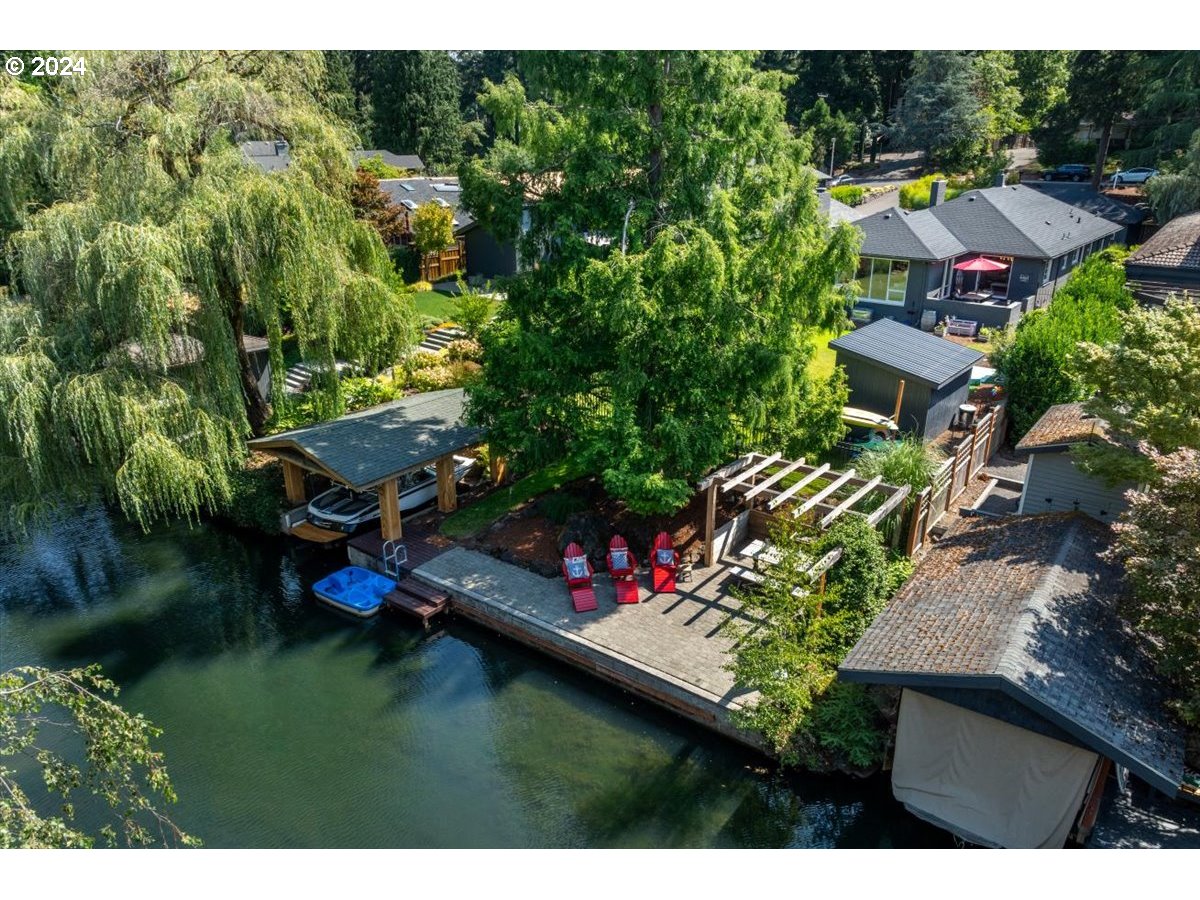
pixel 534 535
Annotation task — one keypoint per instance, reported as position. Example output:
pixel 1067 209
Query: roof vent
pixel 408 204
pixel 887 215
pixel 971 199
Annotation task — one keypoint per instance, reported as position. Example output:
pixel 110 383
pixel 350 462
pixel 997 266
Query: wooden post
pixel 389 511
pixel 899 400
pixel 710 523
pixel 446 491
pixel 498 467
pixel 293 483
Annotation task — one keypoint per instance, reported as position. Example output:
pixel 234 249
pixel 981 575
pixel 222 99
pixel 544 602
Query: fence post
pixel 920 515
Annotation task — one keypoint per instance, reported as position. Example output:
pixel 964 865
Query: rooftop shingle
pixel 899 233
pixel 1026 607
pixel 1061 426
pixel 908 351
pixel 1175 246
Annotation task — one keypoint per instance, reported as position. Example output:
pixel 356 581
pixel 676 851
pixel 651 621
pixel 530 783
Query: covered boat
pixel 355 590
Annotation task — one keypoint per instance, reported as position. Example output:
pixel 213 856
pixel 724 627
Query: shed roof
pixel 908 351
pixel 1026 606
pixel 1061 426
pixel 1174 246
pixel 365 448
pixel 399 160
pixel 1019 221
pixel 907 235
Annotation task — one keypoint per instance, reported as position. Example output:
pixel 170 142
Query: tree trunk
pixel 1102 153
pixel 258 409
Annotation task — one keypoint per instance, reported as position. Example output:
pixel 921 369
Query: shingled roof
pixel 419 191
pixel 400 160
pixel 1026 607
pixel 1174 246
pixel 1018 221
pixel 901 234
pixel 907 351
pixel 365 448
pixel 1060 426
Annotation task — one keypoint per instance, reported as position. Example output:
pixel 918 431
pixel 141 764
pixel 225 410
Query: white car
pixel 844 178
pixel 1139 175
pixel 343 509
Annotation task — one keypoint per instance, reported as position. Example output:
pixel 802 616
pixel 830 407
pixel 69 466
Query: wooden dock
pixel 416 600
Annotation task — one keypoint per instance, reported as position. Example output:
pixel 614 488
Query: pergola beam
pixel 823 493
pixel 890 504
pixel 747 474
pixel 849 502
pixel 798 486
pixel 778 476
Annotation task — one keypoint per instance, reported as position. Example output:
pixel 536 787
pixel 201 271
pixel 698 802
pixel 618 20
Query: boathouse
pixel 374 448
pixel 1020 686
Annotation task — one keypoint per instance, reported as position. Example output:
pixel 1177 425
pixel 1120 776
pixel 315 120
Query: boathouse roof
pixel 363 449
pixel 1024 610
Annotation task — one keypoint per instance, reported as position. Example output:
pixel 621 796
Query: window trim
pixel 870 277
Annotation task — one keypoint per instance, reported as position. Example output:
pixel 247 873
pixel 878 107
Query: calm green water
pixel 287 725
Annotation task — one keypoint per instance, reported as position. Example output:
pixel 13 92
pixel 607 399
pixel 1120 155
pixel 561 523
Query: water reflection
pixel 286 725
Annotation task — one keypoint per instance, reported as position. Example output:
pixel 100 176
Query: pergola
pixel 817 491
pixel 374 448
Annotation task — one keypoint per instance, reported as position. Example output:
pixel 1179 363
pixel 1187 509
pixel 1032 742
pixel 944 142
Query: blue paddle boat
pixel 355 590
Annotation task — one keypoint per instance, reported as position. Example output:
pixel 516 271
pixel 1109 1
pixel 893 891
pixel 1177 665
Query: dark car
pixel 1068 172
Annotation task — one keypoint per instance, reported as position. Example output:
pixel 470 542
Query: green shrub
pixel 560 506
pixel 472 310
pixel 907 461
pixel 850 194
pixel 257 500
pixel 360 393
pixel 915 195
pixel 464 351
pixel 380 169
pixel 846 722
pixel 406 261
pixel 444 375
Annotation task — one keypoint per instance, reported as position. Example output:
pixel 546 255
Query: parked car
pixel 844 178
pixel 1068 172
pixel 1136 175
pixel 343 509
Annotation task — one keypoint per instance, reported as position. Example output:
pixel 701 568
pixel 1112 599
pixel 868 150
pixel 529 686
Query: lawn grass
pixel 824 360
pixel 477 516
pixel 434 308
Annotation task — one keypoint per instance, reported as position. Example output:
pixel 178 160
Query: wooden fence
pixel 953 476
pixel 444 263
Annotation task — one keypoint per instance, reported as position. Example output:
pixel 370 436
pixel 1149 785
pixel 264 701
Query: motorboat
pixel 343 509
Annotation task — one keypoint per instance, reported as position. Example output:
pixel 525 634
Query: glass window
pixel 884 280
pixel 897 280
pixel 862 278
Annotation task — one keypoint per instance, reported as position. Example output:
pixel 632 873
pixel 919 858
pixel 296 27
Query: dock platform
pixel 668 648
pixel 417 600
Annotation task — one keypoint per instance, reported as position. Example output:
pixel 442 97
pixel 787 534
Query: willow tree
pixel 143 248
pixel 683 264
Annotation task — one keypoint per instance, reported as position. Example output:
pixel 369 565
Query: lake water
pixel 288 725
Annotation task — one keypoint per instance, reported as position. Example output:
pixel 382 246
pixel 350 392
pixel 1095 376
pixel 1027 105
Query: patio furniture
pixel 976 296
pixel 961 327
pixel 622 567
pixel 664 563
pixel 578 573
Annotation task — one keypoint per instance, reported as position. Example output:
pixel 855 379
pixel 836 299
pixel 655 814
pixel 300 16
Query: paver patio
pixel 668 648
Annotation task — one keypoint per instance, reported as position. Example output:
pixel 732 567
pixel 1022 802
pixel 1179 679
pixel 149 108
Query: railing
pixel 942 293
pixel 953 476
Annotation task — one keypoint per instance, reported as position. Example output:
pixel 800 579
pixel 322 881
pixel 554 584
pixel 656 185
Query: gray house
pixel 1053 483
pixel 408 161
pixel 907 262
pixel 936 374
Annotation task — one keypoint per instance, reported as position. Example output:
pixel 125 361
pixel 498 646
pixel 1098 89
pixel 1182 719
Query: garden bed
pixel 534 534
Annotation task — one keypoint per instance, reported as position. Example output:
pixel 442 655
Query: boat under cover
pixel 355 590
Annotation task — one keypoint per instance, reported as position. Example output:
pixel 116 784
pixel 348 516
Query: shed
pixel 1168 263
pixel 1019 681
pixel 1053 483
pixel 374 447
pixel 935 373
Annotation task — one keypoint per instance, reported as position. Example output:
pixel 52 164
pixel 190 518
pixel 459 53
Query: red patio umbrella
pixel 980 264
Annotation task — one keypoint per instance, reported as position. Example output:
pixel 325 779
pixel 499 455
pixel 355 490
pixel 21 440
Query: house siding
pixel 487 257
pixel 874 388
pixel 943 404
pixel 1054 484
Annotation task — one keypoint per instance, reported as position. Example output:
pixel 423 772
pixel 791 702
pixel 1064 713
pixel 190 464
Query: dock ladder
pixel 395 555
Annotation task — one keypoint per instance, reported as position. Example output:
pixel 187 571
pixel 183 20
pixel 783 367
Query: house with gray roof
pixel 1168 263
pixel 409 162
pixel 1021 686
pixel 930 375
pixel 907 263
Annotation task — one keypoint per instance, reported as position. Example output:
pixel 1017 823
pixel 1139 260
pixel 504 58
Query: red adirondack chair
pixel 578 573
pixel 664 563
pixel 622 566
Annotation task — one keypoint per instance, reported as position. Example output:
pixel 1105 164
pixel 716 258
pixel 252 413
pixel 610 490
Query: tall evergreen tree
pixel 415 102
pixel 1104 84
pixel 682 264
pixel 940 112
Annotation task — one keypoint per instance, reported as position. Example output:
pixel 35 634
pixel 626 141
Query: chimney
pixel 937 193
pixel 998 181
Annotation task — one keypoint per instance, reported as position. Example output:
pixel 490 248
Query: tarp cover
pixel 989 782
